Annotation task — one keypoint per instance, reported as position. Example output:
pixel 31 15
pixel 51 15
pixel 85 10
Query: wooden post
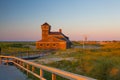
pixel 53 76
pixel 14 61
pixel 23 64
pixel 33 68
pixel 20 63
pixel 41 72
pixel 0 60
pixel 27 69
pixel 17 61
pixel 7 61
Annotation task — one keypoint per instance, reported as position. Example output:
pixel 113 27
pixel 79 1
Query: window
pixel 47 44
pixel 54 44
pixel 40 44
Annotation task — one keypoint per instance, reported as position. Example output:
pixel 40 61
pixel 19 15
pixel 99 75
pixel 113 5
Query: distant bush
pixel 115 45
pixel 15 47
pixel 75 43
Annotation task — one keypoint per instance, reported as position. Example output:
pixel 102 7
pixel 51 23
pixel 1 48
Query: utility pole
pixel 83 44
pixel 84 40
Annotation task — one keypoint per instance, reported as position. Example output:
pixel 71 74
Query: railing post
pixel 0 60
pixel 41 72
pixel 17 61
pixel 53 76
pixel 7 61
pixel 23 64
pixel 33 68
pixel 20 63
pixel 27 69
pixel 14 61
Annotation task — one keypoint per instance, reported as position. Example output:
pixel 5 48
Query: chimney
pixel 60 30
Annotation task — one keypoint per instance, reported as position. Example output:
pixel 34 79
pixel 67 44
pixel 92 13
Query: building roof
pixel 54 33
pixel 45 24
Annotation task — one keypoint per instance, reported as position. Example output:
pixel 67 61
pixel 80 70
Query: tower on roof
pixel 45 30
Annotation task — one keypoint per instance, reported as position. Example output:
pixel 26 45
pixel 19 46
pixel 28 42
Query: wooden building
pixel 52 40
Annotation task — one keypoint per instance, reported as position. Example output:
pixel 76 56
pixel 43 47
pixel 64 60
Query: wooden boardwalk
pixel 31 68
pixel 11 73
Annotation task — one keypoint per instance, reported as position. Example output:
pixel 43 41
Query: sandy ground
pixel 49 60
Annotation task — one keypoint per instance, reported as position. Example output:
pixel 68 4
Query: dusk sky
pixel 20 20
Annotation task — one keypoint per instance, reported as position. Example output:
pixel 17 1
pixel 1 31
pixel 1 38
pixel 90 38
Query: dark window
pixel 54 44
pixel 40 44
pixel 47 44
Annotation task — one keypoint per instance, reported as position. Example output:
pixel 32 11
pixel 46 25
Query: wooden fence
pixel 30 68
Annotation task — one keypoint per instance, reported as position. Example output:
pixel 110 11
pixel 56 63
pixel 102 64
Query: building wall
pixel 63 45
pixel 51 45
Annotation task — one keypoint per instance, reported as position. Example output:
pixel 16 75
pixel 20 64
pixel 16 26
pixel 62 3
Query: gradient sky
pixel 96 19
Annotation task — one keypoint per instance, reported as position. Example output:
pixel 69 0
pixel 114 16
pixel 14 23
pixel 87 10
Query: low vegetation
pixel 100 63
pixel 16 47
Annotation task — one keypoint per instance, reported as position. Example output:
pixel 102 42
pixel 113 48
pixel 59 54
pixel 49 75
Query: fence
pixel 30 68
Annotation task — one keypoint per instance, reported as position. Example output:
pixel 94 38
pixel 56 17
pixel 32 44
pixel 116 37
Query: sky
pixel 20 20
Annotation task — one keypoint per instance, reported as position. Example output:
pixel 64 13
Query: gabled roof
pixel 45 24
pixel 64 38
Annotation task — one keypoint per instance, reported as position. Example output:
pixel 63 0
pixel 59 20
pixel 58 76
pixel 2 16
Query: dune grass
pixel 101 64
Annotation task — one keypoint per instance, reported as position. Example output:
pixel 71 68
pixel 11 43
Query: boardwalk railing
pixel 30 67
pixel 28 54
